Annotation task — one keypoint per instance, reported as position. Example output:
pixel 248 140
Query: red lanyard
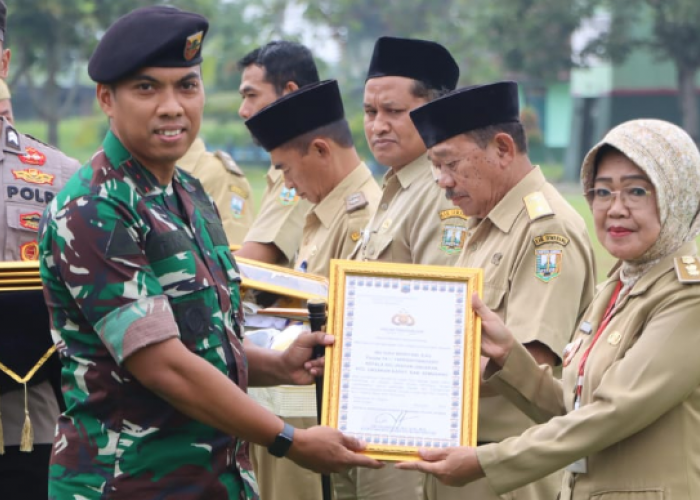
pixel 603 324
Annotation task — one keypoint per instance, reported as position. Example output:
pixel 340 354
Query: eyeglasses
pixel 632 197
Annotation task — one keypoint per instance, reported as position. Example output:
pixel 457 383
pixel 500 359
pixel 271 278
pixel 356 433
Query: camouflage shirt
pixel 127 263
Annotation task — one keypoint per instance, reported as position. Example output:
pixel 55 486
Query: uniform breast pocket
pixel 174 262
pixel 378 247
pixel 23 225
pixel 645 494
pixel 494 294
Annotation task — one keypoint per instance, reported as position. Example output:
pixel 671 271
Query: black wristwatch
pixel 280 446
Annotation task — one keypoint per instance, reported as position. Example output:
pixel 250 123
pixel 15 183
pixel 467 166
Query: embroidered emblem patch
pixel 29 251
pixel 550 238
pixel 453 237
pixel 288 196
pixel 30 220
pixel 237 206
pixel 33 176
pixel 33 157
pixel 192 45
pixel 548 264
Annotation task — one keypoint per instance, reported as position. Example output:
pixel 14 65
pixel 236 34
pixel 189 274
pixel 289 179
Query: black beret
pixel 157 36
pixel 466 109
pixel 3 20
pixel 429 62
pixel 297 113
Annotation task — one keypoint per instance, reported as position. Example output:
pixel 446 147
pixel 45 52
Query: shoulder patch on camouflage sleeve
pixel 355 201
pixel 229 162
pixel 687 269
pixel 543 239
pixel 537 206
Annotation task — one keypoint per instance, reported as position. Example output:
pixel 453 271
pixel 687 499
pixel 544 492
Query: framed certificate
pixel 404 370
pixel 281 280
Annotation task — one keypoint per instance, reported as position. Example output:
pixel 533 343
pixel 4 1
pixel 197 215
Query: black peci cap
pixel 297 113
pixel 3 20
pixel 429 62
pixel 158 36
pixel 466 109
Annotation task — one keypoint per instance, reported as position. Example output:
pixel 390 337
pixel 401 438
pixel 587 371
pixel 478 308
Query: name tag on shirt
pixel 585 327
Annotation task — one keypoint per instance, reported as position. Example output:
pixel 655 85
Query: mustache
pixel 451 193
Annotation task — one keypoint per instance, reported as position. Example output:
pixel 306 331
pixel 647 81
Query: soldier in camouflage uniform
pixel 144 300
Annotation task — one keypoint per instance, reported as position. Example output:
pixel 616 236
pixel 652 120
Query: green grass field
pixel 80 138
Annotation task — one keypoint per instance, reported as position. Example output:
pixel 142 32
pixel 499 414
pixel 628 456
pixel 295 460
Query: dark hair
pixel 603 151
pixel 422 90
pixel 483 136
pixel 283 61
pixel 337 131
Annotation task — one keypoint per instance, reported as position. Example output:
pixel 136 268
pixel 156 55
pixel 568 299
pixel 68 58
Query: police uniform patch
pixel 288 196
pixel 33 176
pixel 30 220
pixel 192 45
pixel 548 264
pixel 11 138
pixel 454 233
pixel 29 251
pixel 32 157
pixel 237 206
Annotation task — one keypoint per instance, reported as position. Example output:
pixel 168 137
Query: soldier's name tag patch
pixel 550 238
pixel 237 206
pixel 288 196
pixel 548 264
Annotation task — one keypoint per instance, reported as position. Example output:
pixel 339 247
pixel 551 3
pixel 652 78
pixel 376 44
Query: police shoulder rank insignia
pixel 229 163
pixel 355 201
pixel 30 220
pixel 33 176
pixel 454 231
pixel 29 251
pixel 11 138
pixel 687 269
pixel 537 206
pixel 192 45
pixel 548 264
pixel 288 196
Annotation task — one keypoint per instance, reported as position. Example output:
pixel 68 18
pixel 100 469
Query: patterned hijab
pixel 671 160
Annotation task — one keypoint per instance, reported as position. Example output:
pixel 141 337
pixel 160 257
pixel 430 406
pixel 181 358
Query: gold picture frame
pixel 384 318
pixel 19 275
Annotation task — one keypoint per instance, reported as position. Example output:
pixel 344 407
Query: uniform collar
pixel 196 150
pixel 410 173
pixel 327 209
pixel 504 214
pixel 665 265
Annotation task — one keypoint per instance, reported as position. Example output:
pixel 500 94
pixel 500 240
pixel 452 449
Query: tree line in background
pixel 527 40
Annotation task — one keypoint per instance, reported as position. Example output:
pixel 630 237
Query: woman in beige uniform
pixel 625 418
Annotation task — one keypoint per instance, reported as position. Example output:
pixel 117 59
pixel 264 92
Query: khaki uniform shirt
pixel 414 222
pixel 640 408
pixel 281 216
pixel 32 175
pixel 225 182
pixel 539 276
pixel 333 226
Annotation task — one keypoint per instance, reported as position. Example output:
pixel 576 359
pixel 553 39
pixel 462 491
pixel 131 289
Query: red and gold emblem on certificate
pixel 33 157
pixel 33 176
pixel 29 251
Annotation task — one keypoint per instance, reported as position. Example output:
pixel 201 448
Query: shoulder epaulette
pixel 687 269
pixel 537 206
pixel 41 142
pixel 355 201
pixel 229 163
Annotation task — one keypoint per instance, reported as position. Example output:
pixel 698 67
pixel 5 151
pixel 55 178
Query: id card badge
pixel 580 466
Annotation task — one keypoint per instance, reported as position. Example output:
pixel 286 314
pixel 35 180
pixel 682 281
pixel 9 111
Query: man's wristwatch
pixel 280 446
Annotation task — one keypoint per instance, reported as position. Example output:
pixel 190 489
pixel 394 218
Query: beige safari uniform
pixel 414 224
pixel 281 216
pixel 225 182
pixel 640 408
pixel 331 231
pixel 539 277
pixel 32 174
